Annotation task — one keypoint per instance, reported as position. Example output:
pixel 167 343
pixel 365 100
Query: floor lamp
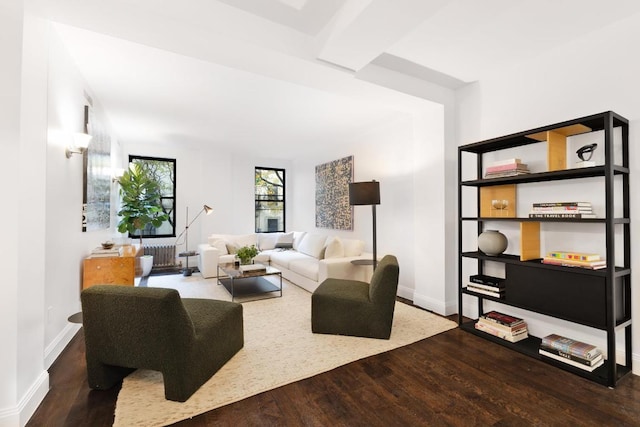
pixel 187 253
pixel 367 193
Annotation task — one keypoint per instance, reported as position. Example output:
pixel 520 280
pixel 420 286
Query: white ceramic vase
pixel 492 242
pixel 146 262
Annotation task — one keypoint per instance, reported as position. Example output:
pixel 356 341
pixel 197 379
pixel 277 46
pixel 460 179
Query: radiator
pixel 163 255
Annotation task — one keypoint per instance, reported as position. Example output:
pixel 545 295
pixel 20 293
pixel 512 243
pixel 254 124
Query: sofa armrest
pixel 208 260
pixel 342 268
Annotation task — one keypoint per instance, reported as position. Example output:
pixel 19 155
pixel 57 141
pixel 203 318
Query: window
pixel 270 216
pixel 164 171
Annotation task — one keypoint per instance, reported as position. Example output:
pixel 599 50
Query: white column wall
pixel 591 75
pixel 10 84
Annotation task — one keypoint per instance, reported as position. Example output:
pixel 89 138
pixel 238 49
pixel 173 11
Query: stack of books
pixel 562 210
pixel 507 167
pixel 486 285
pixel 101 252
pixel 575 353
pixel 575 259
pixel 252 268
pixel 502 325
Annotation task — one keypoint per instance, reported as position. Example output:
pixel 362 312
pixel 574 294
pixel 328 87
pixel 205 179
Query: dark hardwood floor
pixel 452 379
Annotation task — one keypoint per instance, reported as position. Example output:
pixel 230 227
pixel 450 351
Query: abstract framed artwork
pixel 96 197
pixel 332 194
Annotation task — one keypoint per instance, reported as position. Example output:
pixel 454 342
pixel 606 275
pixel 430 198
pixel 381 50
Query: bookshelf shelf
pixel 598 299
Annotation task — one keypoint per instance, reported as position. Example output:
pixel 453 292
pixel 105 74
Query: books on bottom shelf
pixel 509 328
pixel 575 353
pixel 575 256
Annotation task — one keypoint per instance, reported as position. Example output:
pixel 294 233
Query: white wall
pixel 591 75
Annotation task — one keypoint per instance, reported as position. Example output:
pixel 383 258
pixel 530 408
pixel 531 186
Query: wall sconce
pixel 80 140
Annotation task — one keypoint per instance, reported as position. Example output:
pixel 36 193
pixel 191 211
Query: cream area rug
pixel 279 349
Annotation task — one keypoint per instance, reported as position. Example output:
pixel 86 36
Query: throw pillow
pixel 267 241
pixel 297 238
pixel 334 249
pixel 220 245
pixel 285 241
pixel 312 245
pixel 232 248
pixel 353 247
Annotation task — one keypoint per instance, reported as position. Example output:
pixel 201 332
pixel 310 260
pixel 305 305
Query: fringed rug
pixel 279 349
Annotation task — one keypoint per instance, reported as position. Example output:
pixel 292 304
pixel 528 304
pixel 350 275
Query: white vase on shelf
pixel 492 242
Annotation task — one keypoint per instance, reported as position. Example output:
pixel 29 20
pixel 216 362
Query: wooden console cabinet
pixel 108 271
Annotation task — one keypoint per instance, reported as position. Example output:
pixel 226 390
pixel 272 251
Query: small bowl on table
pixel 107 245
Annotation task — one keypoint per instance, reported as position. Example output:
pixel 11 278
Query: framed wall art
pixel 332 194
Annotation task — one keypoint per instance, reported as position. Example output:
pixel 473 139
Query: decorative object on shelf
pixel 508 167
pixel 492 242
pixel 586 152
pixel 107 245
pixel 367 193
pixel 506 194
pixel 246 254
pixel 500 207
pixel 332 207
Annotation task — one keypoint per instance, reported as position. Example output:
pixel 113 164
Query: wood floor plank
pixel 452 379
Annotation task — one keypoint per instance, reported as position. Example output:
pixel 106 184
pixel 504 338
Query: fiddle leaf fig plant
pixel 246 253
pixel 141 206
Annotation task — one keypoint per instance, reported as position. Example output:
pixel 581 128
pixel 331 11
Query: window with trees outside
pixel 270 201
pixel 164 172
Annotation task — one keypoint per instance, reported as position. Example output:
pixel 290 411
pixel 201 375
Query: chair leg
pixel 102 377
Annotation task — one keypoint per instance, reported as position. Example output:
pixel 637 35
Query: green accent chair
pixel 187 340
pixel 352 307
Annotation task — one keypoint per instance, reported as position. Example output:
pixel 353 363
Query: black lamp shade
pixel 364 193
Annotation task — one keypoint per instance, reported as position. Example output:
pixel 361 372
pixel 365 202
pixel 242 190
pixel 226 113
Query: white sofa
pixel 305 259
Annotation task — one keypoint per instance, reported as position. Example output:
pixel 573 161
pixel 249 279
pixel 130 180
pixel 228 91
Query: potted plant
pixel 141 206
pixel 246 254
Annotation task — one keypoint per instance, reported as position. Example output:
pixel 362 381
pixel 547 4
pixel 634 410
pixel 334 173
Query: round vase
pixel 492 242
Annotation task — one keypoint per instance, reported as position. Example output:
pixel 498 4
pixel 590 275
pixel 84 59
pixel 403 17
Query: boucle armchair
pixel 352 307
pixel 187 340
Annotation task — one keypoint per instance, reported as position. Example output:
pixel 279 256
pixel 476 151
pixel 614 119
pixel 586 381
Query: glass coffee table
pixel 249 283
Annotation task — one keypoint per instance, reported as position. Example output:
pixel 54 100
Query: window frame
pixel 172 215
pixel 257 200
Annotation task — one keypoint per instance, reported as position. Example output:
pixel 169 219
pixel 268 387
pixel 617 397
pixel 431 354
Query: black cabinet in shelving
pixel 598 299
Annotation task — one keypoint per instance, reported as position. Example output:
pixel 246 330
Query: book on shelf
pixel 571 346
pixel 509 172
pixel 585 164
pixel 101 252
pixel 494 288
pixel 483 279
pixel 589 368
pixel 501 334
pixel 561 215
pixel 483 291
pixel 503 319
pixel 589 362
pixel 568 209
pixel 592 265
pixel 506 167
pixel 520 328
pixel 576 256
pixel 551 204
pixel 505 162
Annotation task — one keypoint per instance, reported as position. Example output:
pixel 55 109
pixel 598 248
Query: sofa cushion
pixel 267 241
pixel 297 238
pixel 245 240
pixel 307 267
pixel 219 244
pixel 283 258
pixel 312 245
pixel 285 241
pixel 334 248
pixel 352 247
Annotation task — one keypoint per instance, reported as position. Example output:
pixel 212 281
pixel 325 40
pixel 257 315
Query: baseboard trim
pixel 53 350
pixel 20 414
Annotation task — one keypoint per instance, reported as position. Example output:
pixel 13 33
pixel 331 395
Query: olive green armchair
pixel 187 340
pixel 351 307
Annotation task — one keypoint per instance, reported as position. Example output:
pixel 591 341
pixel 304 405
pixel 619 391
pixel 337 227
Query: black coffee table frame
pixel 250 283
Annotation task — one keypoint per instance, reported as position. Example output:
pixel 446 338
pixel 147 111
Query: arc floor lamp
pixel 187 253
pixel 367 193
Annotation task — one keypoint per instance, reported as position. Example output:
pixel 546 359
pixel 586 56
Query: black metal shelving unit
pixel 600 299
